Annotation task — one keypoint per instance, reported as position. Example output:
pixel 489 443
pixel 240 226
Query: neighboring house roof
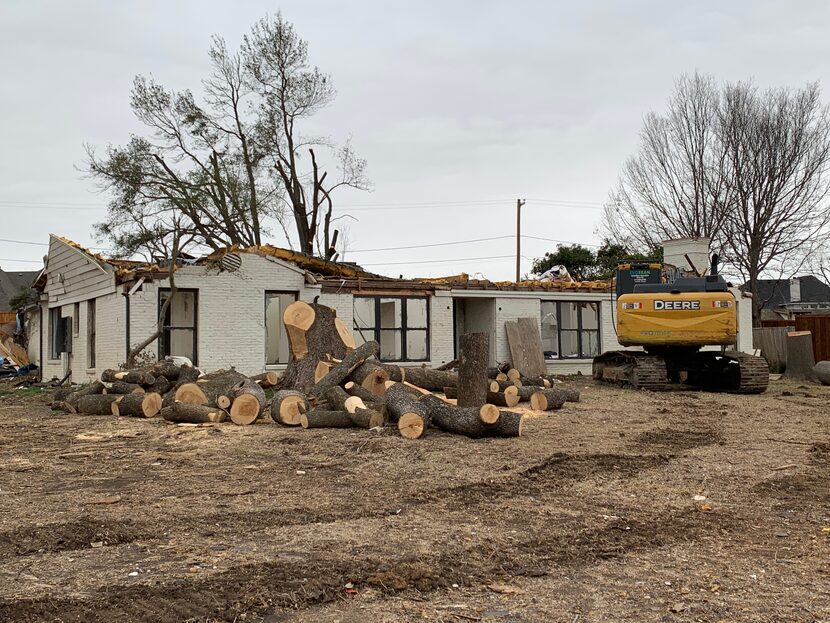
pixel 11 282
pixel 775 293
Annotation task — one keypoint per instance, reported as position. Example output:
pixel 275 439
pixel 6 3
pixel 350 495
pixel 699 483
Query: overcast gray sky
pixel 479 102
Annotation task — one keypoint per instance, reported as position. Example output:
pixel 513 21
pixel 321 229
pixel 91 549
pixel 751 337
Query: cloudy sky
pixel 460 107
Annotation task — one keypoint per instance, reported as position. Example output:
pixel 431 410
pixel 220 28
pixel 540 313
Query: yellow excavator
pixel 672 315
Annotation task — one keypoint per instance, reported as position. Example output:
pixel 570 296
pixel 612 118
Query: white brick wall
pixel 441 334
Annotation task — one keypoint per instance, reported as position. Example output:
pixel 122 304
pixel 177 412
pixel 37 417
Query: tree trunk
pixel 432 380
pixel 410 414
pixel 338 373
pixel 168 369
pixel 266 379
pixel 547 400
pixel 526 392
pixel 451 392
pixel 800 358
pixel 287 406
pixel 137 405
pixel 326 419
pixel 247 402
pixel 188 374
pixel 185 413
pixel 361 392
pixel 93 389
pixel 467 420
pixel 139 376
pixel 96 404
pixel 508 398
pixel 532 382
pixel 314 336
pixel 371 376
pixel 340 400
pixel 474 353
pixel 210 389
pixel 161 386
pixel 122 387
pixel 501 368
pixel 394 371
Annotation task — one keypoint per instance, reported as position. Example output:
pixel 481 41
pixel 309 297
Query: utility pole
pixel 519 204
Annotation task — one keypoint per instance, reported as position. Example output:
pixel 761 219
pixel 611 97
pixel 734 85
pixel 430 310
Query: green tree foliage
pixel 25 296
pixel 583 264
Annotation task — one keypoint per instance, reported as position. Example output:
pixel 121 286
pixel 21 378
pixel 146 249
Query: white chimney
pixel 795 290
pixel 697 250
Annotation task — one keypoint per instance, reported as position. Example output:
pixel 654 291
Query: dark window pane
pixel 416 344
pixel 390 345
pixel 364 313
pixel 570 347
pixel 590 315
pixel 550 330
pixel 390 314
pixel 590 343
pixel 416 314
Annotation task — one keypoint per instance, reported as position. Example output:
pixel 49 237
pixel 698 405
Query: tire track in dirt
pixel 268 587
pixel 74 535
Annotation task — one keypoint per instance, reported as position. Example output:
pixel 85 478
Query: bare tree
pixel 675 186
pixel 290 90
pixel 777 145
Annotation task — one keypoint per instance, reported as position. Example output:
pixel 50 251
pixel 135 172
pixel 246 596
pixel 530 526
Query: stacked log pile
pixel 330 382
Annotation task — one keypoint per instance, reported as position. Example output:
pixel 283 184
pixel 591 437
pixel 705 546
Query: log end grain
pixel 411 425
pixel 489 414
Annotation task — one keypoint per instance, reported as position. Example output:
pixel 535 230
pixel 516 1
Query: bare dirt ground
pixel 628 506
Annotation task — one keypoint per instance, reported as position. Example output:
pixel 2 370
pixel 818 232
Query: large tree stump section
pixel 320 418
pixel 547 400
pixel 287 406
pixel 339 371
pixel 432 380
pixel 247 402
pixel 800 357
pixel 467 420
pixel 137 405
pixel 407 410
pixel 371 376
pixel 210 389
pixel 508 398
pixel 96 404
pixel 525 343
pixel 313 336
pixel 474 354
pixel 822 372
pixel 184 413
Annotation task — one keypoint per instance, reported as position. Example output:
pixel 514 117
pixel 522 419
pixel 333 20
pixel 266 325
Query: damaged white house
pixel 228 312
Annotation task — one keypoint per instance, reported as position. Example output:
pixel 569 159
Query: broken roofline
pixel 336 276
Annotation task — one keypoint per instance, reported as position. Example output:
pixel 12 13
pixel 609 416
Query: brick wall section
pixel 441 331
pixel 230 310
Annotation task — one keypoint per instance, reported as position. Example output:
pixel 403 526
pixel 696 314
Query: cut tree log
pixel 474 353
pixel 822 372
pixel 138 376
pixel 800 357
pixel 361 392
pixel 145 405
pixel 513 374
pixel 326 419
pixel 93 389
pixel 168 369
pixel 338 372
pixel 361 415
pixel 489 414
pixel 500 386
pixel 508 398
pixel 62 405
pixel 313 336
pixel 571 393
pixel 322 370
pixel 501 377
pixel 186 413
pixel 534 382
pixel 395 372
pixel 467 420
pixel 525 392
pixel 345 335
pixel 450 365
pixel 451 392
pixel 188 374
pixel 287 406
pixel 410 414
pixel 432 380
pixel 161 386
pixel 122 387
pixel 371 376
pixel 501 368
pixel 211 389
pixel 247 402
pixel 547 400
pixel 266 379
pixel 96 404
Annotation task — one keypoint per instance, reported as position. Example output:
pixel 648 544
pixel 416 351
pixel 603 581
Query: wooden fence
pixel 772 342
pixel 771 338
pixel 819 326
pixel 7 317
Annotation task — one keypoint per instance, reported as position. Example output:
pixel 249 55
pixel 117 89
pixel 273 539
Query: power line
pixel 8 259
pixel 41 244
pixel 424 246
pixel 460 259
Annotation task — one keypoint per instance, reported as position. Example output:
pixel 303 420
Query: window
pixel 56 333
pixel 179 335
pixel 90 333
pixel 76 320
pixel 570 330
pixel 276 339
pixel 399 324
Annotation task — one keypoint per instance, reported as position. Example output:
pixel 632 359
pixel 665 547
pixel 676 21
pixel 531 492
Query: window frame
pixel 164 338
pixel 404 328
pixel 91 332
pixel 579 329
pixel 55 319
pixel 265 324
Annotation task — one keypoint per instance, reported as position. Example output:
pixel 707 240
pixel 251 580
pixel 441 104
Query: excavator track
pixel 635 369
pixel 732 371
